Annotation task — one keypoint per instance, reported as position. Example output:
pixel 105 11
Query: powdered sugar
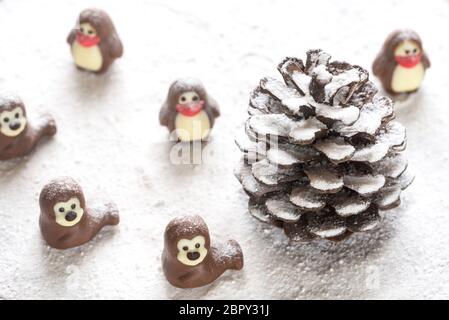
pixel 364 185
pixel 283 209
pixel 186 84
pixel 347 115
pixel 370 119
pixel 388 196
pixel 351 206
pixel 110 140
pixel 250 184
pixel 393 136
pixel 271 124
pixel 343 79
pixel 306 199
pixel 336 151
pixel 305 131
pixel 9 99
pixel 324 180
pixel 53 190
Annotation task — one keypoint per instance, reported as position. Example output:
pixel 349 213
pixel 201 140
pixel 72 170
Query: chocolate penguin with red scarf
pixel 402 62
pixel 189 111
pixel 94 42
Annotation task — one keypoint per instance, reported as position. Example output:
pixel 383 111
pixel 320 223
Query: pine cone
pixel 323 157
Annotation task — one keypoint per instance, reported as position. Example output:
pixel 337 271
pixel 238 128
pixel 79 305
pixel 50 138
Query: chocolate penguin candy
pixel 322 155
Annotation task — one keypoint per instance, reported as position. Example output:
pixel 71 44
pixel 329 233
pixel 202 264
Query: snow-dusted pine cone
pixel 323 157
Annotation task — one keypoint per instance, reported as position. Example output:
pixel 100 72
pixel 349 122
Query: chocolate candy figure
pixel 189 112
pixel 94 42
pixel 402 62
pixel 18 137
pixel 189 260
pixel 65 220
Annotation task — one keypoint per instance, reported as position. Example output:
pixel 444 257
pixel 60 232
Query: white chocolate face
pixel 87 29
pixel 13 122
pixel 407 48
pixel 192 252
pixel 189 97
pixel 68 213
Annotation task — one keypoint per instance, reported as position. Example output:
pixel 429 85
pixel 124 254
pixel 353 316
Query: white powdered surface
pixel 305 131
pixel 347 115
pixel 271 124
pixel 307 199
pixel 388 196
pixel 324 180
pixel 109 139
pixel 334 150
pixel 369 120
pixel 353 205
pixel 283 209
pixel 365 185
pixel 343 79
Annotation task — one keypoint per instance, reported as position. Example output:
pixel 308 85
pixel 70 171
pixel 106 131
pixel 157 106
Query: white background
pixel 110 140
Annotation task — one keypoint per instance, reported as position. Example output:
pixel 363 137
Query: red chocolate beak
pixel 190 109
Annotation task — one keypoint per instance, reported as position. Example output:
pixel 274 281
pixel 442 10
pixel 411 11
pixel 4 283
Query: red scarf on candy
pixel 190 110
pixel 408 61
pixel 87 41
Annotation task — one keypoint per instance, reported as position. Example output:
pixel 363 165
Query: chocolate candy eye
pixel 6 119
pixel 185 248
pixel 197 245
pixel 73 206
pixel 195 98
pixel 82 30
pixel 415 50
pixel 16 115
pixel 90 32
pixel 407 51
pixel 61 210
pixel 183 99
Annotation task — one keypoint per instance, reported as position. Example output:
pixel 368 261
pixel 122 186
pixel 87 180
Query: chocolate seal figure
pixel 189 112
pixel 189 260
pixel 94 42
pixel 402 62
pixel 65 220
pixel 18 137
